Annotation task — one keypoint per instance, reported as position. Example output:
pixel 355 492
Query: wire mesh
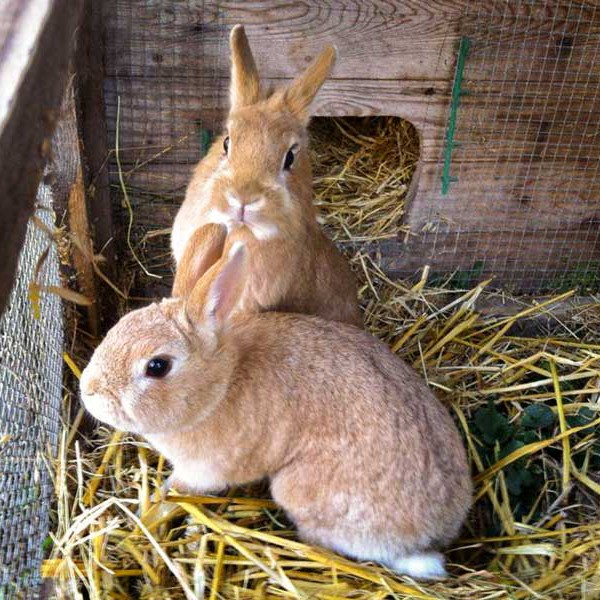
pixel 525 206
pixel 524 203
pixel 158 58
pixel 30 394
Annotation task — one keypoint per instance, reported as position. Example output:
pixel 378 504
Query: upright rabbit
pixel 359 452
pixel 256 179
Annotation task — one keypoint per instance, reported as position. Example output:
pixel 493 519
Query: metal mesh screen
pixel 523 195
pixel 30 394
pixel 160 121
pixel 523 198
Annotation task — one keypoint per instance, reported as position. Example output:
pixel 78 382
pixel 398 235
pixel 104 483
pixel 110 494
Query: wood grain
pixel 34 91
pixel 476 256
pixel 68 192
pixel 505 197
pixel 528 149
pixel 405 40
pixel 377 40
pixel 91 120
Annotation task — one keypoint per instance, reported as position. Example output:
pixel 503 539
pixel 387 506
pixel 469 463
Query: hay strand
pixel 528 409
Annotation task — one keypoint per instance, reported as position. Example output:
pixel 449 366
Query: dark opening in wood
pixel 363 170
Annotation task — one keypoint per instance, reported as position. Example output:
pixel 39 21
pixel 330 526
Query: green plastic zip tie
pixel 457 92
pixel 206 139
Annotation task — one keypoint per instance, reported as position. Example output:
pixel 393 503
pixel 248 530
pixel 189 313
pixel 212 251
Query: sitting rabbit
pixel 359 452
pixel 256 180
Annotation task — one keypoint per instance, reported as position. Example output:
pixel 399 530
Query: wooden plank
pixel 164 116
pixel 405 40
pixel 524 261
pixel 507 197
pixel 378 40
pixel 35 50
pixel 89 94
pixel 68 191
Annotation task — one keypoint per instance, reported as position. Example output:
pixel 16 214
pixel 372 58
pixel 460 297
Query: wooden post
pixel 36 43
pixel 89 98
pixel 70 205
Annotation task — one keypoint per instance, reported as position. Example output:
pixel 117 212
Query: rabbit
pixel 256 179
pixel 358 451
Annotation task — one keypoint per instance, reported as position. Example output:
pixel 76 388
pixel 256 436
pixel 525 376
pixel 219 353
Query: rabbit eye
pixel 289 158
pixel 158 367
pixel 226 145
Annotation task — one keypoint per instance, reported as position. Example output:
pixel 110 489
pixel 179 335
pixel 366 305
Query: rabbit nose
pixel 240 200
pixel 241 203
pixel 233 200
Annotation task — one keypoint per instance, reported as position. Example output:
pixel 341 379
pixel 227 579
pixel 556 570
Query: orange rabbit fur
pixel 260 187
pixel 358 451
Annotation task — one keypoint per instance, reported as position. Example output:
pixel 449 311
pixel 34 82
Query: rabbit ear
pixel 214 298
pixel 202 251
pixel 245 83
pixel 301 92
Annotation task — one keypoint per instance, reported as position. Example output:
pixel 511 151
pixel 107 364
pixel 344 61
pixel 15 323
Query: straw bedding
pixel 528 408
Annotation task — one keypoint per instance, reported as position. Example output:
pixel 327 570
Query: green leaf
pixel 47 544
pixel 518 478
pixel 537 416
pixel 514 481
pixel 528 436
pixel 494 427
pixel 511 446
pixel 582 417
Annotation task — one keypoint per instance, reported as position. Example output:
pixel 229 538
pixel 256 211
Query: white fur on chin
pixel 215 215
pixel 263 231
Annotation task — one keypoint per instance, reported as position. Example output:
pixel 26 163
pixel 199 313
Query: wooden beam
pixel 66 177
pixel 36 43
pixel 89 94
pixel 161 117
pixel 525 157
pixel 524 261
